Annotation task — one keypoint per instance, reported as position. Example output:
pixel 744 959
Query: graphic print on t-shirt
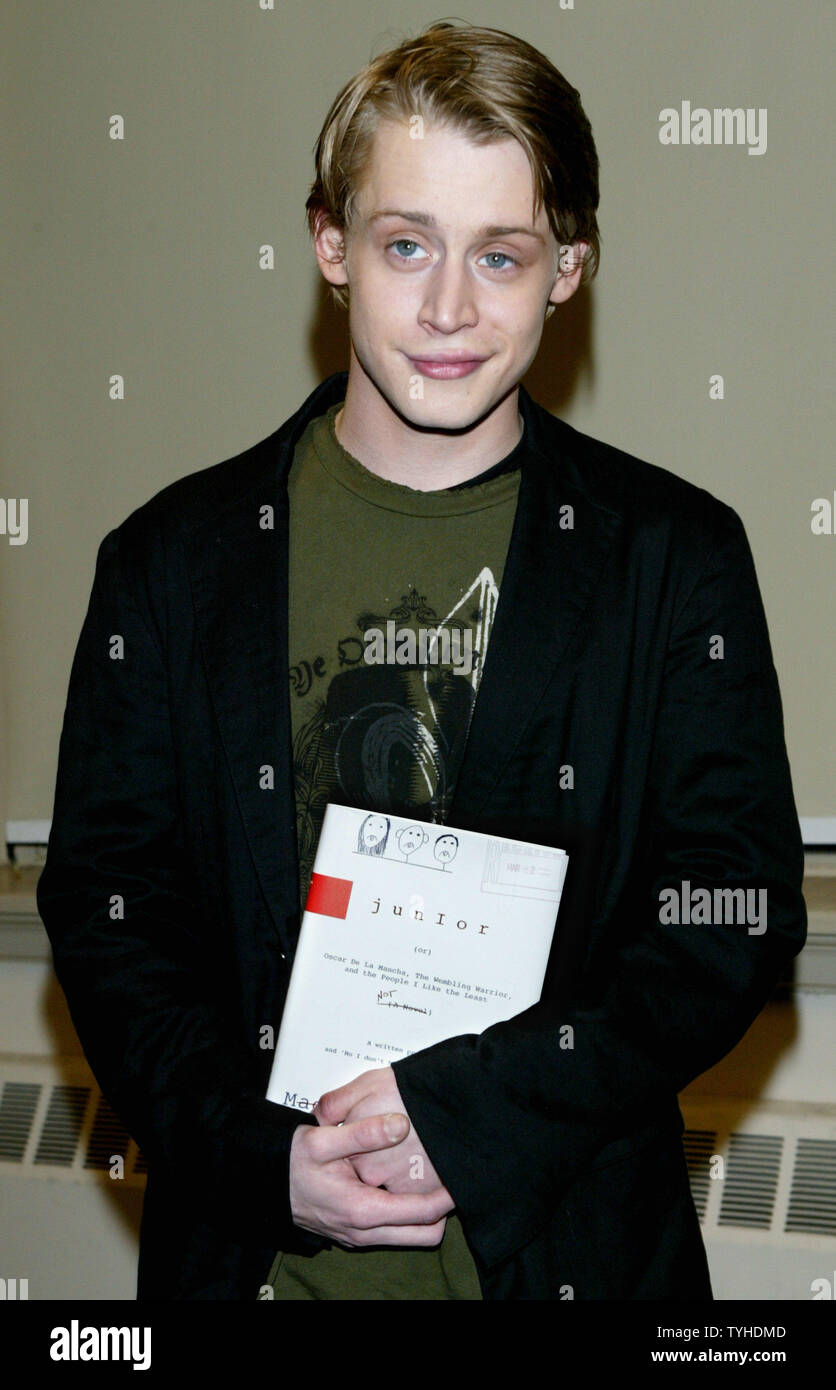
pixel 387 733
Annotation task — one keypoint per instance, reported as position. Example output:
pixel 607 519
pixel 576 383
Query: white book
pixel 412 932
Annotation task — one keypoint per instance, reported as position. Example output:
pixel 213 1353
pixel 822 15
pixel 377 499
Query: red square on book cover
pixel 328 896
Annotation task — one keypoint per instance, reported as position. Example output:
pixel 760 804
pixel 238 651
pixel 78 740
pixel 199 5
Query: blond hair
pixel 485 84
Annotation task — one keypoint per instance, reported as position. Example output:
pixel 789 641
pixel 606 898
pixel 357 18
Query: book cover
pixel 412 932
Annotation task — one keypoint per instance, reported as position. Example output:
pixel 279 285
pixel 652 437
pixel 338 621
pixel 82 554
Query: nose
pixel 450 299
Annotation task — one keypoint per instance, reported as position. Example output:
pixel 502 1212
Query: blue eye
pixel 405 241
pixel 502 256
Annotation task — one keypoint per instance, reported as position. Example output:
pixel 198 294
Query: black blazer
pixel 171 882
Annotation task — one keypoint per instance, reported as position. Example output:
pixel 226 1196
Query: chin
pixel 427 415
pixel 446 405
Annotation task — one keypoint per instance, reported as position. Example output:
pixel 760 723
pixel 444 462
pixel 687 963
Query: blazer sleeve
pixel 510 1117
pixel 130 950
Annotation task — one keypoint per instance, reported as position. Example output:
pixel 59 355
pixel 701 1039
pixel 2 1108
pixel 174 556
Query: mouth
pixel 447 366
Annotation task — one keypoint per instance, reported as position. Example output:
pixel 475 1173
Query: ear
pixel 570 268
pixel 329 246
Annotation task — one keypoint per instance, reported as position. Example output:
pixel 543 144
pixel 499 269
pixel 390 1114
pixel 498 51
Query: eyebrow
pixel 425 219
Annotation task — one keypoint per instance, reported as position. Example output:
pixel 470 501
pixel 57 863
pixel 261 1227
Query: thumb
pixel 362 1136
pixel 396 1126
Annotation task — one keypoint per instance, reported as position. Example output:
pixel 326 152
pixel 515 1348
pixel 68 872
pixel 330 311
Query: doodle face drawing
pixel 373 834
pixel 445 849
pixel 410 838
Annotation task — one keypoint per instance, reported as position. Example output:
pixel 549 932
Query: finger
pixel 422 1236
pixel 361 1136
pixel 376 1207
pixel 334 1105
pixel 332 1108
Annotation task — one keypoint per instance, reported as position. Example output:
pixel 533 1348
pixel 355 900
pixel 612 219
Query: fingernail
pixel 395 1126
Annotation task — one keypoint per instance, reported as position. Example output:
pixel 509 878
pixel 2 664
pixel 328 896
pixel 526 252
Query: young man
pixel 454 207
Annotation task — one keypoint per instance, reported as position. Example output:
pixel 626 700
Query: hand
pixel 406 1167
pixel 327 1196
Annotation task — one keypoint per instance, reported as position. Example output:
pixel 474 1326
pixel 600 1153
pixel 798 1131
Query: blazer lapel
pixel 549 578
pixel 238 571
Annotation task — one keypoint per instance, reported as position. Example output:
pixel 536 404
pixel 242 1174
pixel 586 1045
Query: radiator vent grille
pixel 17 1110
pixel 767 1168
pixel 812 1204
pixel 107 1137
pixel 58 1139
pixel 700 1146
pixel 64 1130
pixel 751 1180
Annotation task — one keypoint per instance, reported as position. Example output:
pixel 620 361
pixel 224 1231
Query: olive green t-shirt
pixel 392 596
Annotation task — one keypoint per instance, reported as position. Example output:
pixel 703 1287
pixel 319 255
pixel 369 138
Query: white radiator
pixel 763 1178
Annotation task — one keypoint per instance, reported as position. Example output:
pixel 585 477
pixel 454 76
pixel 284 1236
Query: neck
pixel 428 460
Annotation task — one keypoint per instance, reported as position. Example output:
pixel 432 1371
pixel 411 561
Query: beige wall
pixel 139 257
